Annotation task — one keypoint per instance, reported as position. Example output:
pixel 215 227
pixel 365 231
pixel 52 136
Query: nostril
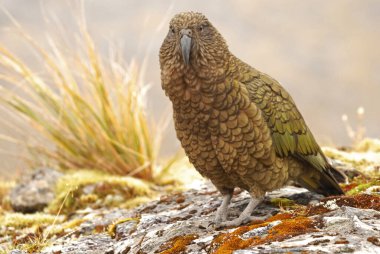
pixel 186 32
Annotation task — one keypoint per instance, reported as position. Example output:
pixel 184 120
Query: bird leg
pixel 221 213
pixel 245 216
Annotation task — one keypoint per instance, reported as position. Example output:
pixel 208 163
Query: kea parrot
pixel 238 126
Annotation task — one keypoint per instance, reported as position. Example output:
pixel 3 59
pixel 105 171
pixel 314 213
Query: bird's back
pixel 291 136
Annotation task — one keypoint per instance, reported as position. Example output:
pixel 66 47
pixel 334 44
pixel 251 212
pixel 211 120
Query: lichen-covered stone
pixel 93 244
pixel 35 190
pixel 17 252
pixel 176 222
pixel 345 230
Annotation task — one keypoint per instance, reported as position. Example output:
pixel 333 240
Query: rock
pixel 182 223
pixel 93 244
pixel 17 252
pixel 99 220
pixel 176 217
pixel 260 231
pixel 345 230
pixel 299 195
pixel 124 229
pixel 34 191
pixel 373 190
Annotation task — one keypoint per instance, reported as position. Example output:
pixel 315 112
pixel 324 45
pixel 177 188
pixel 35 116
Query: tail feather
pixel 339 175
pixel 322 182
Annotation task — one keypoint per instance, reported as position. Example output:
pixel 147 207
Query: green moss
pixel 19 220
pixel 363 187
pixel 31 243
pixel 282 202
pixel 346 158
pixel 88 188
pixel 368 145
pixel 34 246
pixel 112 228
pixel 26 230
pixel 64 228
pixel 361 159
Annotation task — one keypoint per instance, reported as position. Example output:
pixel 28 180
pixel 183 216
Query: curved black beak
pixel 186 48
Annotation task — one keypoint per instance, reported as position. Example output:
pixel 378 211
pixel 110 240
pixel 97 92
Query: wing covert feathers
pixel 290 134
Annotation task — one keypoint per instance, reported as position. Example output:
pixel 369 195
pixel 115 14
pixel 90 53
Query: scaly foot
pixel 245 216
pixel 221 213
pixel 242 220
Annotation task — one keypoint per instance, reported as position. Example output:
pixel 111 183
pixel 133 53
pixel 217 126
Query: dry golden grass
pixel 90 109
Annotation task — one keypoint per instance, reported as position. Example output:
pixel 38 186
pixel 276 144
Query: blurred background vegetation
pixel 324 52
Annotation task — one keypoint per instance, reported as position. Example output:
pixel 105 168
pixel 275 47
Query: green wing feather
pixel 290 134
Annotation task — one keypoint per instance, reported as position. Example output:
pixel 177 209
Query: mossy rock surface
pixel 125 214
pixel 180 223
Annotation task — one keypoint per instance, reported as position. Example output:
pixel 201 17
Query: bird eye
pixel 172 30
pixel 203 28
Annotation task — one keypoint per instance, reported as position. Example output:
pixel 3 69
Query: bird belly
pixel 192 130
pixel 228 141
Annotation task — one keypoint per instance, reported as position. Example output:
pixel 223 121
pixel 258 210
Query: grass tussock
pixel 89 108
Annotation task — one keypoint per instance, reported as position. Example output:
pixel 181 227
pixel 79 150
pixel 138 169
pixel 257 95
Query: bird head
pixel 192 41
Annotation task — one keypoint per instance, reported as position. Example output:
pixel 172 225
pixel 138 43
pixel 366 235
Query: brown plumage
pixel 238 126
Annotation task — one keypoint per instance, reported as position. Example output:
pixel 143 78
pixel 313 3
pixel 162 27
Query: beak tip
pixel 186 48
pixel 186 60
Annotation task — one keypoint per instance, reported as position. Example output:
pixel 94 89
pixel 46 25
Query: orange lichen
pixel 342 241
pixel 349 186
pixel 310 210
pixel 281 216
pixel 290 226
pixel 374 240
pixel 177 244
pixel 362 201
